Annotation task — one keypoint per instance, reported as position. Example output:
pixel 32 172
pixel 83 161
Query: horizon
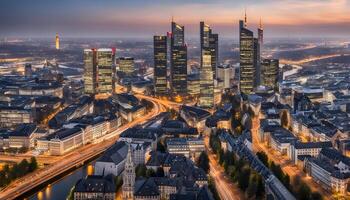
pixel 141 19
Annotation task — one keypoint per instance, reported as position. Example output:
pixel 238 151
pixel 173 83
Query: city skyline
pixel 327 18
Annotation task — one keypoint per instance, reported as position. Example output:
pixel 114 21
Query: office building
pixel 160 65
pixel 90 71
pixel 193 85
pixel 105 72
pixel 261 35
pixel 248 47
pixel 210 41
pixel 126 65
pixel 189 147
pixel 269 73
pixel 178 72
pixel 206 96
pixel 214 49
pixel 225 73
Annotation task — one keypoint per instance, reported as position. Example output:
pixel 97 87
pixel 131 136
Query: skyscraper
pixel 90 71
pixel 270 72
pixel 105 75
pixel 160 65
pixel 128 177
pixel 178 74
pixel 261 35
pixel 248 48
pixel 209 41
pixel 57 42
pixel 126 65
pixel 214 48
pixel 209 47
pixel 206 81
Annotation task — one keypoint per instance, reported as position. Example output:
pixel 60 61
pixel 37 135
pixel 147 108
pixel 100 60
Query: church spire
pixel 128 176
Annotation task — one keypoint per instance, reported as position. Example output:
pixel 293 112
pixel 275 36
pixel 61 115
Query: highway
pixel 71 160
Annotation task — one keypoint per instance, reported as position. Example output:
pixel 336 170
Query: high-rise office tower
pixel 57 42
pixel 206 81
pixel 214 48
pixel 261 35
pixel 211 41
pixel 270 72
pixel 105 75
pixel 90 71
pixel 178 72
pixel 257 62
pixel 160 65
pixel 248 47
pixel 126 65
pixel 209 47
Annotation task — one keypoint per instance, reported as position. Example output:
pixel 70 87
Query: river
pixel 60 189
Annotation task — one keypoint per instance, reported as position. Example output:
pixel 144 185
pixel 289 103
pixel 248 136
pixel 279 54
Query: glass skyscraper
pixel 209 47
pixel 90 71
pixel 105 75
pixel 178 71
pixel 248 47
pixel 160 65
pixel 270 72
pixel 206 96
pixel 126 65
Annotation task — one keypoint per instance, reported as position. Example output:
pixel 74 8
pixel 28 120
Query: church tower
pixel 129 177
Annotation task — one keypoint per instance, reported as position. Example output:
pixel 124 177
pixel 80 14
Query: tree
pixel 286 181
pixel 316 196
pixel 253 186
pixel 159 172
pixel 203 161
pixel 150 173
pixel 285 119
pixel 161 147
pixel 33 165
pixel 260 190
pixel 304 192
pixel 263 158
pixel 141 171
pixel 243 178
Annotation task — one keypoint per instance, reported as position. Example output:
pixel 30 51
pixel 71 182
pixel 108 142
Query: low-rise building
pixel 189 147
pixel 299 149
pixel 23 136
pixel 95 187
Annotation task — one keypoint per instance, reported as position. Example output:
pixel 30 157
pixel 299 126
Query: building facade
pixel 126 65
pixel 178 60
pixel 160 65
pixel 90 71
pixel 269 72
pixel 105 75
pixel 248 55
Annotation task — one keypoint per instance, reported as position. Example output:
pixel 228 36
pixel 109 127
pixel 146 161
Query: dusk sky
pixel 144 18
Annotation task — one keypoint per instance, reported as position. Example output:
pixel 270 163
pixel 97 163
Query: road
pixel 284 162
pixel 71 160
pixel 310 59
pixel 226 188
